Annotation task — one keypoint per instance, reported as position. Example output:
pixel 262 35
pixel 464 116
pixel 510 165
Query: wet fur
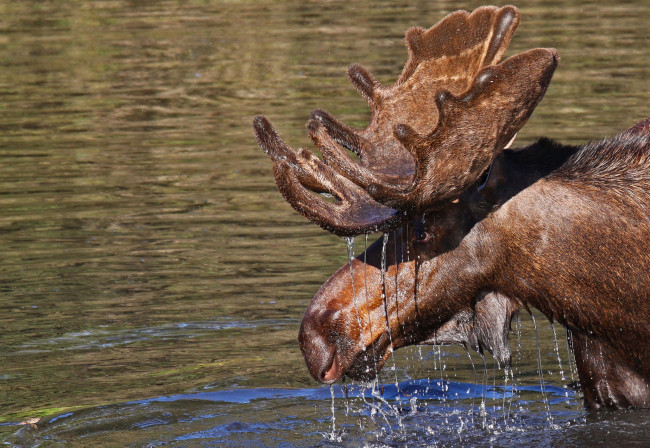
pixel 574 245
pixel 553 228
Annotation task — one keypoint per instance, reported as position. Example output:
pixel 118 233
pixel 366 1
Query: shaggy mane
pixel 624 159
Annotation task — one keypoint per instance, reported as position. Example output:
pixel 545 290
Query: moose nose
pixel 319 353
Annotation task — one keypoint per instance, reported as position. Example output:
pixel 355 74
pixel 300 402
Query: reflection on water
pixel 146 251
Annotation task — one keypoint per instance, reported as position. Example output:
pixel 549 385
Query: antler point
pixel 364 82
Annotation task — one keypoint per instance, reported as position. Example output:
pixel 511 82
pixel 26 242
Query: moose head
pixel 410 172
pixel 468 244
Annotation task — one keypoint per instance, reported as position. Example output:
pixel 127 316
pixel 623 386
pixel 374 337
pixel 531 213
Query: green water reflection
pixel 146 250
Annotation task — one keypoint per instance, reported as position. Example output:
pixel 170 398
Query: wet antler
pixel 299 173
pixel 430 135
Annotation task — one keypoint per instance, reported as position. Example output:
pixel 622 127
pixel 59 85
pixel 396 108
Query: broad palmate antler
pixel 431 135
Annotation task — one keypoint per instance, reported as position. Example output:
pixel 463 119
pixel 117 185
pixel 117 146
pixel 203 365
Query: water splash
pixel 262 417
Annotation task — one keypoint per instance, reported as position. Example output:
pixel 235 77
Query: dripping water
pixel 514 392
pixel 573 371
pixel 332 435
pixel 471 360
pixel 484 381
pixel 375 409
pixel 405 254
pixel 384 298
pixel 541 374
pixel 573 368
pixel 350 246
pixel 518 357
pixel 346 394
pixel 365 282
pixel 507 408
pixel 443 367
pixel 494 382
pixel 375 406
pixel 398 260
pixel 559 361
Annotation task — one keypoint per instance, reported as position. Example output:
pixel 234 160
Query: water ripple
pixel 100 339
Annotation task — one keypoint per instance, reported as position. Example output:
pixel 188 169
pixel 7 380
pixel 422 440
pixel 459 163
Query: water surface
pixel 149 262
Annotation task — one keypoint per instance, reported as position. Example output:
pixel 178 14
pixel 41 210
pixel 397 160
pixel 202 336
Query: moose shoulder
pixel 573 245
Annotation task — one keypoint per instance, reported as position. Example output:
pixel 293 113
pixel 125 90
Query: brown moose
pixel 480 230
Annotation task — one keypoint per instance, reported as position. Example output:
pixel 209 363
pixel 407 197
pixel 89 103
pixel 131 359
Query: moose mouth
pixel 363 367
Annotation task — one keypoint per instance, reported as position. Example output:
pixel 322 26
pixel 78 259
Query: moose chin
pixel 475 230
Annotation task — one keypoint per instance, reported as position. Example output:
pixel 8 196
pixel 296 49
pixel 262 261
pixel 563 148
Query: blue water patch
pixel 422 389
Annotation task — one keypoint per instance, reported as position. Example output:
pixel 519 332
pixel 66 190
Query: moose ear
pixel 486 196
pixel 492 317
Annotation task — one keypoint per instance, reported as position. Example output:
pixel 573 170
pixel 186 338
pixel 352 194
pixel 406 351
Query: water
pixel 150 268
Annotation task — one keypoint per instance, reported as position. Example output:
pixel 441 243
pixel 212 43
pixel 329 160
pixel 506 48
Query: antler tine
pixel 334 139
pixel 299 174
pixel 365 83
pixel 278 150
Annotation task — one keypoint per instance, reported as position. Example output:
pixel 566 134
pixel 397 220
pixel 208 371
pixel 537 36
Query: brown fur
pixel 546 230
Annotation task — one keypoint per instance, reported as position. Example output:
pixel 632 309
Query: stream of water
pixel 153 280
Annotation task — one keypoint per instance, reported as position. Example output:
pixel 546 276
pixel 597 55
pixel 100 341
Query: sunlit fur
pixel 559 228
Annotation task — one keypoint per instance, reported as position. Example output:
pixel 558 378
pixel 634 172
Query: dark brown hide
pixel 570 241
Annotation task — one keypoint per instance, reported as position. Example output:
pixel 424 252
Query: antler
pixel 461 110
pixel 472 130
pixel 447 56
pixel 299 173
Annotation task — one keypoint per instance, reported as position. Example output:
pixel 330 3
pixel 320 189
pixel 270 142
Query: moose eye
pixel 421 236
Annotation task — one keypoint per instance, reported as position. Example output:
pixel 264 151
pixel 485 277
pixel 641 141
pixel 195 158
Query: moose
pixel 474 230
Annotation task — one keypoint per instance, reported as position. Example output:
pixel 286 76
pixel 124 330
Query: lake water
pixel 153 279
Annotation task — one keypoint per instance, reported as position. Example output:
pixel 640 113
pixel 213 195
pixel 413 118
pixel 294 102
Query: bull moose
pixel 477 230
